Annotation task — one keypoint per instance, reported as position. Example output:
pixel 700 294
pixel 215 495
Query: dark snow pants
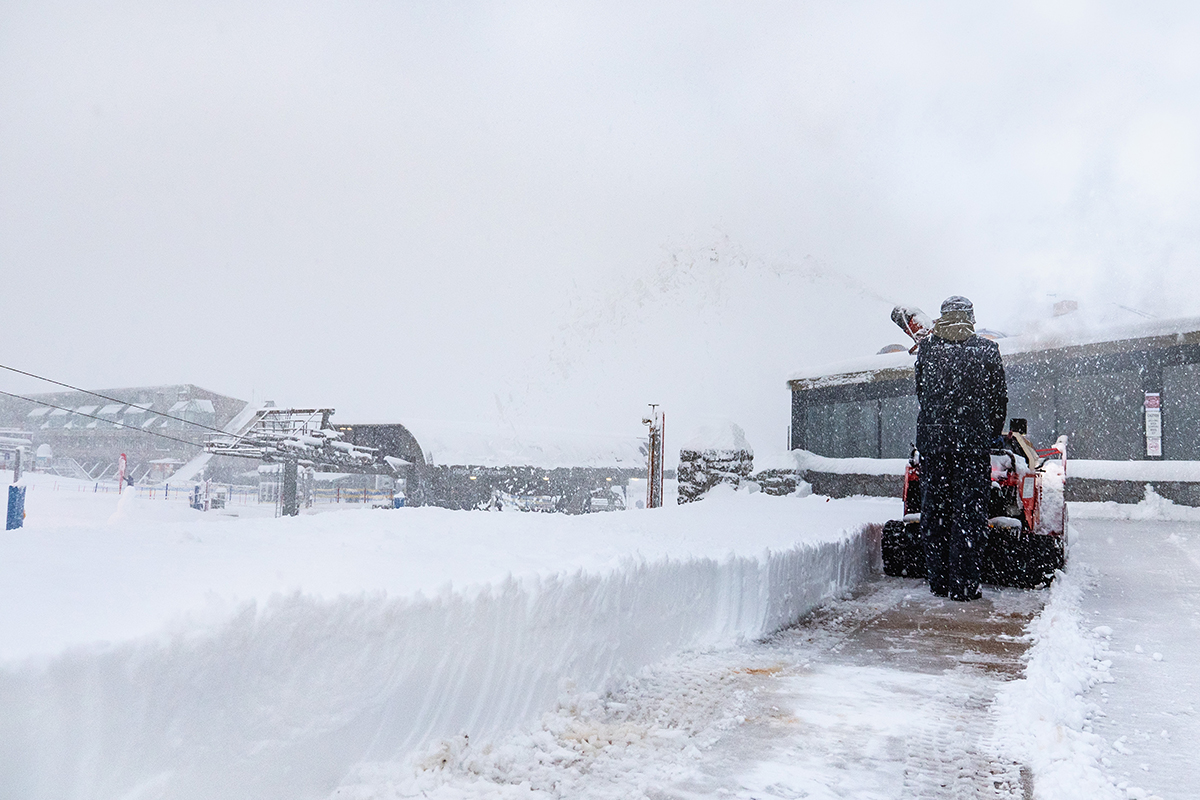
pixel 954 501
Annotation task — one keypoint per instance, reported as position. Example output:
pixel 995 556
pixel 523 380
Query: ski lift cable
pixel 111 400
pixel 102 419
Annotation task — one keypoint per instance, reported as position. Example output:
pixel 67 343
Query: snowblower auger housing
pixel 1026 538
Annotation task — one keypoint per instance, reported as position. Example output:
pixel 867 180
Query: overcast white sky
pixel 563 211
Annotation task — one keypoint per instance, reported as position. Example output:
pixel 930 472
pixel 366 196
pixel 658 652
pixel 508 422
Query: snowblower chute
pixel 1026 535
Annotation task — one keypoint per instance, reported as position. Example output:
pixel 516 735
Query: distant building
pixel 1095 386
pixel 84 436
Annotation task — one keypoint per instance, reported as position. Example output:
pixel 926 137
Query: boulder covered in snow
pixel 716 453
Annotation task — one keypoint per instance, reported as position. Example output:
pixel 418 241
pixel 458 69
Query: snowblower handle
pixel 914 322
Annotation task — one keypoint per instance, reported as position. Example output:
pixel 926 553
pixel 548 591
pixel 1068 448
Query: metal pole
pixel 654 461
pixel 290 507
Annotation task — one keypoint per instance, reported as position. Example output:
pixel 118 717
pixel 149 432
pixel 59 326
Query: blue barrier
pixel 16 507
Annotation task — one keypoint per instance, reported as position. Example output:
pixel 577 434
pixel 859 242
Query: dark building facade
pixel 1095 392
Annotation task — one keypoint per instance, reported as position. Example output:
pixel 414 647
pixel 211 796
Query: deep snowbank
pixel 1045 718
pixel 266 658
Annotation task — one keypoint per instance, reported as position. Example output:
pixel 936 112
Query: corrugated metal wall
pixel 1094 397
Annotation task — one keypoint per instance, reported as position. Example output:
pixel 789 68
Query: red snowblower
pixel 1026 537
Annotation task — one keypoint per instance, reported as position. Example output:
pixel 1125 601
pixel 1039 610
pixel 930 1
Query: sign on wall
pixel 1153 408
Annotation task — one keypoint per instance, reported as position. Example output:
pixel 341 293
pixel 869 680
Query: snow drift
pixel 280 695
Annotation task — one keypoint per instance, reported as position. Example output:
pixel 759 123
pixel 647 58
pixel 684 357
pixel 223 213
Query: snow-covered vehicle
pixel 1027 516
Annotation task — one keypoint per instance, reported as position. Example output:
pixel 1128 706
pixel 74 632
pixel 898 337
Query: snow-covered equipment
pixel 305 436
pixel 302 437
pixel 1026 536
pixel 913 321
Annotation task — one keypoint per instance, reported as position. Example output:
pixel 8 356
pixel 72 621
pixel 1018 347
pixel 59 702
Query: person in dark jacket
pixel 964 402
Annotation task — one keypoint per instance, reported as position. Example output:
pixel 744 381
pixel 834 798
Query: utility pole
pixel 657 423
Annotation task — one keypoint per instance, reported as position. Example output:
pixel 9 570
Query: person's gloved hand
pixel 999 443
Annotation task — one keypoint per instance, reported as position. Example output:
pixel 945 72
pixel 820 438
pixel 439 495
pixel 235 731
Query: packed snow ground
pixel 1143 597
pixel 149 650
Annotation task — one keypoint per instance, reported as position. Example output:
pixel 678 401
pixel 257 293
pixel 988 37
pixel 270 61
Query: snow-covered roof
pixel 480 444
pixel 40 411
pixel 195 404
pixel 1058 333
pixel 112 408
pixel 718 434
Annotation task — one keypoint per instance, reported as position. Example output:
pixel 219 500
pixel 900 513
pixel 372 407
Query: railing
pixel 234 495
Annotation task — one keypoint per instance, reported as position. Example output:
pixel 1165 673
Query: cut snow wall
pixel 281 701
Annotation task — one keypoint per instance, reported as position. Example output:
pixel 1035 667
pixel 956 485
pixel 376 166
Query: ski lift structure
pixel 303 437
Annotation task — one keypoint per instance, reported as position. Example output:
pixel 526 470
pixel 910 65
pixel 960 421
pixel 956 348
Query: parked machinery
pixel 1026 537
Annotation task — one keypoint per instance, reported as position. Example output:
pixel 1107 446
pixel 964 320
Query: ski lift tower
pixel 654 487
pixel 302 437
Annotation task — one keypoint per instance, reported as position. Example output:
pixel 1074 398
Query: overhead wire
pixel 106 397
pixel 102 419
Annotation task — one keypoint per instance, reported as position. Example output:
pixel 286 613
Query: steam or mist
pixel 560 213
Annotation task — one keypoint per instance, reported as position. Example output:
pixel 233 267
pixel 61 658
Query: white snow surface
pixel 807 461
pixel 1107 707
pixel 1181 471
pixel 1151 507
pixel 717 434
pixel 150 651
pixel 1045 719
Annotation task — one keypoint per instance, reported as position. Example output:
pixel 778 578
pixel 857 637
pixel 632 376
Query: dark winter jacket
pixel 962 392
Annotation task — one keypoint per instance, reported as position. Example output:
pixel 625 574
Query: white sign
pixel 1154 445
pixel 1153 423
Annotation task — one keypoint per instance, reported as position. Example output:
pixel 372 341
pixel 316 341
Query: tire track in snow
pixel 954 758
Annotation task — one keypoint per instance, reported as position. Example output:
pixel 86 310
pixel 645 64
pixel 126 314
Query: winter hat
pixel 958 309
pixel 957 323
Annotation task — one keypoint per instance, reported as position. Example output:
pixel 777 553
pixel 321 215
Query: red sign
pixel 1153 400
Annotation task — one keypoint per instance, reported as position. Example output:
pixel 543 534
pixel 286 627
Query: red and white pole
pixel 654 476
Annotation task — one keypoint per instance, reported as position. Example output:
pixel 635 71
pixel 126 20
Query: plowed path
pixel 884 694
